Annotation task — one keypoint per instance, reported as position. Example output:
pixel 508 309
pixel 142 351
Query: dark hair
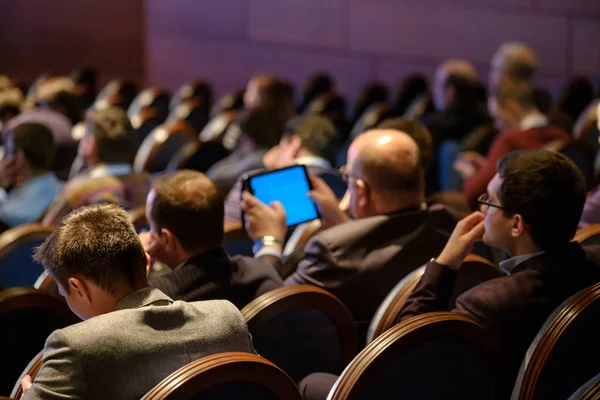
pixel 261 126
pixel 417 131
pixel 576 95
pixel 410 88
pixel 113 133
pixel 98 242
pixel 547 190
pixel 372 93
pixel 190 205
pixel 317 133
pixel 317 84
pixel 465 91
pixel 519 91
pixel 37 143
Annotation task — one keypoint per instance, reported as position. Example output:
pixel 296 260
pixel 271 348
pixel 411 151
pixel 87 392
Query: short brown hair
pixel 317 133
pixel 190 205
pixel 98 242
pixel 37 143
pixel 113 133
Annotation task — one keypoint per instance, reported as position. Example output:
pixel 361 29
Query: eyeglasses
pixel 343 171
pixel 484 202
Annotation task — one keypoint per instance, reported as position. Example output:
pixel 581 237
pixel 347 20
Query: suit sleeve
pixel 62 375
pixel 432 293
pixel 317 266
pixel 477 184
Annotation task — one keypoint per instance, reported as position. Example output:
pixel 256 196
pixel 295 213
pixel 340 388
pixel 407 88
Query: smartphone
pixel 290 187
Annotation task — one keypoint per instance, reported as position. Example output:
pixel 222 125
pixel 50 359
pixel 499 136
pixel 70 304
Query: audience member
pixel 25 168
pixel 55 109
pixel 522 126
pixel 106 151
pixel 185 213
pixel 591 209
pixel 530 211
pixel 514 61
pixel 458 110
pixel 261 130
pixel 386 196
pixel 132 336
pixel 10 104
pixel 308 140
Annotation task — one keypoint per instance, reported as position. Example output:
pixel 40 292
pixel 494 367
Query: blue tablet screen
pixel 288 186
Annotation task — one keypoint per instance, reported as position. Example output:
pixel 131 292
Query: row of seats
pixel 434 355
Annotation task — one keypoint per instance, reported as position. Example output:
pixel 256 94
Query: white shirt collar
pixel 103 170
pixel 313 161
pixel 533 120
pixel 509 265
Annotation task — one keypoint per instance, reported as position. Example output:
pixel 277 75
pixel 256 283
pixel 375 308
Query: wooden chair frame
pixel 32 370
pixel 585 233
pixel 535 360
pixel 222 368
pixel 401 339
pixel 20 235
pixel 296 297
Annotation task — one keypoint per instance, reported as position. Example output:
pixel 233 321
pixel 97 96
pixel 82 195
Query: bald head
pixel 190 206
pixel 452 73
pixel 514 61
pixel 388 160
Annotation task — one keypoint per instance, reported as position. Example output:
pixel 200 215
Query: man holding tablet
pixel 386 195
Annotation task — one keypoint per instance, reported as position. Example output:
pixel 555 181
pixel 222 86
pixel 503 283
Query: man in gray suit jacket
pixel 132 336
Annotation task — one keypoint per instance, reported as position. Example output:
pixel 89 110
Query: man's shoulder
pixel 353 228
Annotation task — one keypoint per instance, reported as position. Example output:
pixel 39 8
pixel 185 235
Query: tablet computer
pixel 290 187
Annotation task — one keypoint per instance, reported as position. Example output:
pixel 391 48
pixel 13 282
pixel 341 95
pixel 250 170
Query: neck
pixel 521 248
pixel 128 291
pixel 400 202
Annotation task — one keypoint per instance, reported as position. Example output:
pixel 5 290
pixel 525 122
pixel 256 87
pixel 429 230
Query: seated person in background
pixel 458 110
pixel 260 132
pixel 522 125
pixel 185 213
pixel 56 109
pixel 106 151
pixel 11 100
pixel 514 61
pixel 29 151
pixel 132 336
pixel 310 140
pixel 530 211
pixel 386 195
pixel 591 209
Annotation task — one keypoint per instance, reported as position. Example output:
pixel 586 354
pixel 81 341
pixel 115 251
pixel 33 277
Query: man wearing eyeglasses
pixel 530 211
pixel 391 233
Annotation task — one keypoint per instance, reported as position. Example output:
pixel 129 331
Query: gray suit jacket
pixel 125 353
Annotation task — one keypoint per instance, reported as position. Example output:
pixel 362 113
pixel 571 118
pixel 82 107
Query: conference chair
pixel 589 391
pixel 144 122
pixel 27 317
pixel 156 98
pixel 226 376
pixel 32 370
pixel 564 354
pixel 161 144
pixel 193 111
pixel 197 90
pixel 118 92
pixel 17 267
pixel 473 271
pixel 438 355
pixel 588 236
pixel 302 329
pixel 198 156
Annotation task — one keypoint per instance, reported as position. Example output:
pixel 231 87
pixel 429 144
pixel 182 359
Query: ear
pixel 518 226
pixel 295 144
pixel 169 241
pixel 449 95
pixel 362 193
pixel 80 288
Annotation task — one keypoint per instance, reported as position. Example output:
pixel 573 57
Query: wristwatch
pixel 265 241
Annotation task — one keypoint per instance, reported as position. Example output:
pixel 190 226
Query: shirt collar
pixel 100 171
pixel 141 298
pixel 508 266
pixel 313 161
pixel 533 120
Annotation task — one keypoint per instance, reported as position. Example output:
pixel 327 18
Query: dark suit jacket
pixel 233 207
pixel 514 307
pixel 213 275
pixel 360 261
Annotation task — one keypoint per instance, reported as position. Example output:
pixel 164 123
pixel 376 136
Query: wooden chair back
pixel 474 270
pixel 431 356
pixel 161 145
pixel 117 92
pixel 588 235
pixel 17 267
pixel 294 248
pixel 578 151
pixel 154 97
pixel 197 90
pixel 589 391
pixel 226 376
pixel 198 156
pixel 46 284
pixel 193 111
pixel 32 370
pixel 565 353
pixel 27 317
pixel 144 122
pixel 302 329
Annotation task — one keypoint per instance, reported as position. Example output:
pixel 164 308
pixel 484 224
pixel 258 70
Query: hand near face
pixel 26 383
pixel 327 203
pixel 467 231
pixel 468 163
pixel 263 220
pixel 149 243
